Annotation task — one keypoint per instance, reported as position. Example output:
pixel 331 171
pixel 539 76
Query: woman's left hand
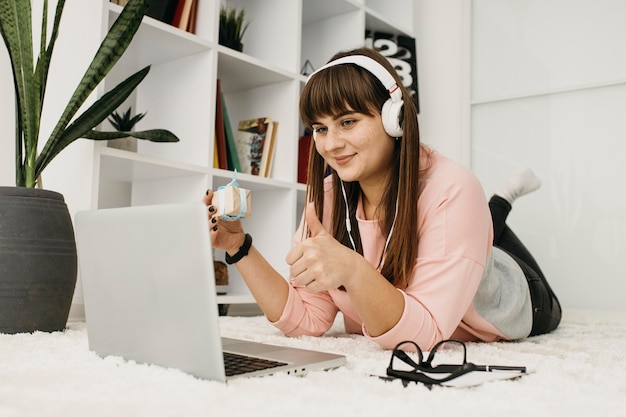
pixel 320 262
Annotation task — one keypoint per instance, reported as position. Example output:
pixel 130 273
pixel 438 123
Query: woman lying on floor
pixel 397 237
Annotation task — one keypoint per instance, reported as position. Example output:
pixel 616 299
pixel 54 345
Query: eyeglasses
pixel 433 372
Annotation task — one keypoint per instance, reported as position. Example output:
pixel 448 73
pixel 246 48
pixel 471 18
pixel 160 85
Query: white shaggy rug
pixel 579 370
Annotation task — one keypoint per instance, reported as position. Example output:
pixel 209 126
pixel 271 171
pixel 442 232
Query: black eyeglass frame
pixel 454 370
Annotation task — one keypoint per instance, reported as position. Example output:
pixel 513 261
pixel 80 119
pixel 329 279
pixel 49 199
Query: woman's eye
pixel 348 122
pixel 317 130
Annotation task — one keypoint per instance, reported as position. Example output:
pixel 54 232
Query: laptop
pixel 149 292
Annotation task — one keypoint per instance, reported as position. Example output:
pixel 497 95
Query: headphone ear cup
pixel 390 115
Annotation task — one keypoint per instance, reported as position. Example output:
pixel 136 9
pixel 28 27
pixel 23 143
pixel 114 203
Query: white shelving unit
pixel 179 94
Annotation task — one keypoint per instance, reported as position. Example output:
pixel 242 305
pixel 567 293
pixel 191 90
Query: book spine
pixel 220 134
pixel 162 10
pixel 191 27
pixel 231 147
pixel 304 148
pixel 268 149
pixel 182 16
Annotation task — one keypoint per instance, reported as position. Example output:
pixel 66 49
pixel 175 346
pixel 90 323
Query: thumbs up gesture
pixel 320 262
pixel 315 226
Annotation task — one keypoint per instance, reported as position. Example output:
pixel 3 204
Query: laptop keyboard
pixel 240 364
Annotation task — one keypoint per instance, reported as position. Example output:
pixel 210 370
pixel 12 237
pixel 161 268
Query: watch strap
pixel 243 251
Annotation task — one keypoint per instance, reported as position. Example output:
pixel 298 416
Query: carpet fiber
pixel 579 370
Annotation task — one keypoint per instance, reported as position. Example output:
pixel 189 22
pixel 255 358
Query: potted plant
pixel 125 123
pixel 37 246
pixel 233 26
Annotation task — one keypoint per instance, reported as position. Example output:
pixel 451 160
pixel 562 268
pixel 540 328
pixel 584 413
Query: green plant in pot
pixel 125 123
pixel 233 26
pixel 37 247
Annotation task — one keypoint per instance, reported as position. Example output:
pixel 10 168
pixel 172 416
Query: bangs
pixel 340 89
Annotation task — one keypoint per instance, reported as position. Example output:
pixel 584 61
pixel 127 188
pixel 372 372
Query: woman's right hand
pixel 225 234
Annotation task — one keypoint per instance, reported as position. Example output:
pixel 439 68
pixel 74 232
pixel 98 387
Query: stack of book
pixel 178 13
pixel 249 148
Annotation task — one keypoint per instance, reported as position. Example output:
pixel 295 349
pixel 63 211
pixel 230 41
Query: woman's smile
pixel 344 159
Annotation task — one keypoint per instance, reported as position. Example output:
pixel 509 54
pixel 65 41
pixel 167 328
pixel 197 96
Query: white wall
pixel 547 90
pixel 442 32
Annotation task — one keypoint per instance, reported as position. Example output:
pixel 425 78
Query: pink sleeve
pixel 455 236
pixel 306 313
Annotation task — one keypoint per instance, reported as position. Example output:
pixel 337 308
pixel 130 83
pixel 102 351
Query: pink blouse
pixel 455 243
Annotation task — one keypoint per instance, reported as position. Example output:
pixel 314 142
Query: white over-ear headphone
pixel 392 109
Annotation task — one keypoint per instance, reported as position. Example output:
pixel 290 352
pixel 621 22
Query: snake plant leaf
pixel 16 27
pixel 111 49
pixel 92 117
pixel 29 84
pixel 153 135
pixel 125 122
pixel 45 52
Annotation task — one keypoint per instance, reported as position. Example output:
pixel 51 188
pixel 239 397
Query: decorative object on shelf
pixel 221 284
pixel 400 51
pixel 307 68
pixel 221 277
pixel 304 152
pixel 233 26
pixel 124 123
pixel 36 289
pixel 255 140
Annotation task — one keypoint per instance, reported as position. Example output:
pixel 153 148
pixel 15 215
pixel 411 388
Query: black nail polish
pixel 215 229
pixel 211 209
pixel 213 220
pixel 207 192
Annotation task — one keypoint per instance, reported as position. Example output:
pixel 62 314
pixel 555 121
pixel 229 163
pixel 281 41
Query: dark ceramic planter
pixel 38 262
pixel 232 44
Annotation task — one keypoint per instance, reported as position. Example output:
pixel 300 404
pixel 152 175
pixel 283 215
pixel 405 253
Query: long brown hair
pixel 350 87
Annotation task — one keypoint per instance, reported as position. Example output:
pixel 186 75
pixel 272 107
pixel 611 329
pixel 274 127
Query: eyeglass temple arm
pixel 402 355
pixel 501 368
